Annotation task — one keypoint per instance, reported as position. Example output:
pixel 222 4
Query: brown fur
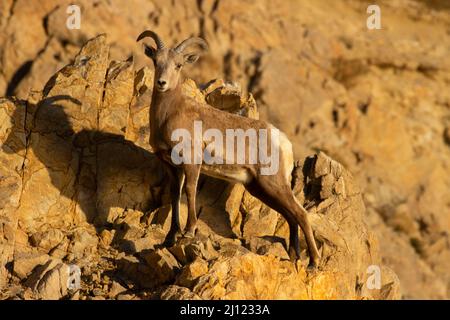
pixel 171 110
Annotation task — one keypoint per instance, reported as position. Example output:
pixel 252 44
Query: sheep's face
pixel 168 64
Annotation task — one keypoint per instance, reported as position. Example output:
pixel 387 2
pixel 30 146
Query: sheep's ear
pixel 190 58
pixel 150 51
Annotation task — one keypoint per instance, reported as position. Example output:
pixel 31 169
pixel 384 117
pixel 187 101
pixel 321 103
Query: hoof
pixel 313 266
pixel 293 255
pixel 189 234
pixel 171 239
pixel 169 242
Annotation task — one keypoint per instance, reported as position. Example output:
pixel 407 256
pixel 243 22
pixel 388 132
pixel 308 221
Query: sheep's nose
pixel 162 83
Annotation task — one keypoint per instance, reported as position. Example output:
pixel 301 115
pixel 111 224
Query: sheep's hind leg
pixel 280 197
pixel 256 188
pixel 294 242
pixel 300 214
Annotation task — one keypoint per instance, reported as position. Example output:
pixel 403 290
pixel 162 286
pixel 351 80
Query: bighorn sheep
pixel 171 111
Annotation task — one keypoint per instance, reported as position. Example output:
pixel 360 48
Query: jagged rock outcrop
pixel 81 187
pixel 375 100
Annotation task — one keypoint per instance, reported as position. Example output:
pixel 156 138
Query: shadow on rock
pixel 102 174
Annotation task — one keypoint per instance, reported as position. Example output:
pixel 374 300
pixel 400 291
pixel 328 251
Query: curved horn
pixel 189 42
pixel 148 33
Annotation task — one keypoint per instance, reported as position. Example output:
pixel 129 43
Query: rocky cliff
pixel 80 187
pixel 376 101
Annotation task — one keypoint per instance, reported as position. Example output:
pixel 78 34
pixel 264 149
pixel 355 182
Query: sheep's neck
pixel 161 108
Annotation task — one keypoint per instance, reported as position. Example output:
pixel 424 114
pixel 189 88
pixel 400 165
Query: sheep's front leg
pixel 192 173
pixel 176 186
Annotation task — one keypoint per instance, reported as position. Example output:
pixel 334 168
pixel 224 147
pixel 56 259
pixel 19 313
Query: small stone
pixel 179 251
pixel 226 97
pixel 97 292
pixel 265 247
pixel 106 237
pixel 192 272
pixel 47 240
pixel 116 289
pixel 83 243
pixel 174 292
pixel 75 296
pixel 26 262
pixel 162 264
pixel 49 281
pixel 154 236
